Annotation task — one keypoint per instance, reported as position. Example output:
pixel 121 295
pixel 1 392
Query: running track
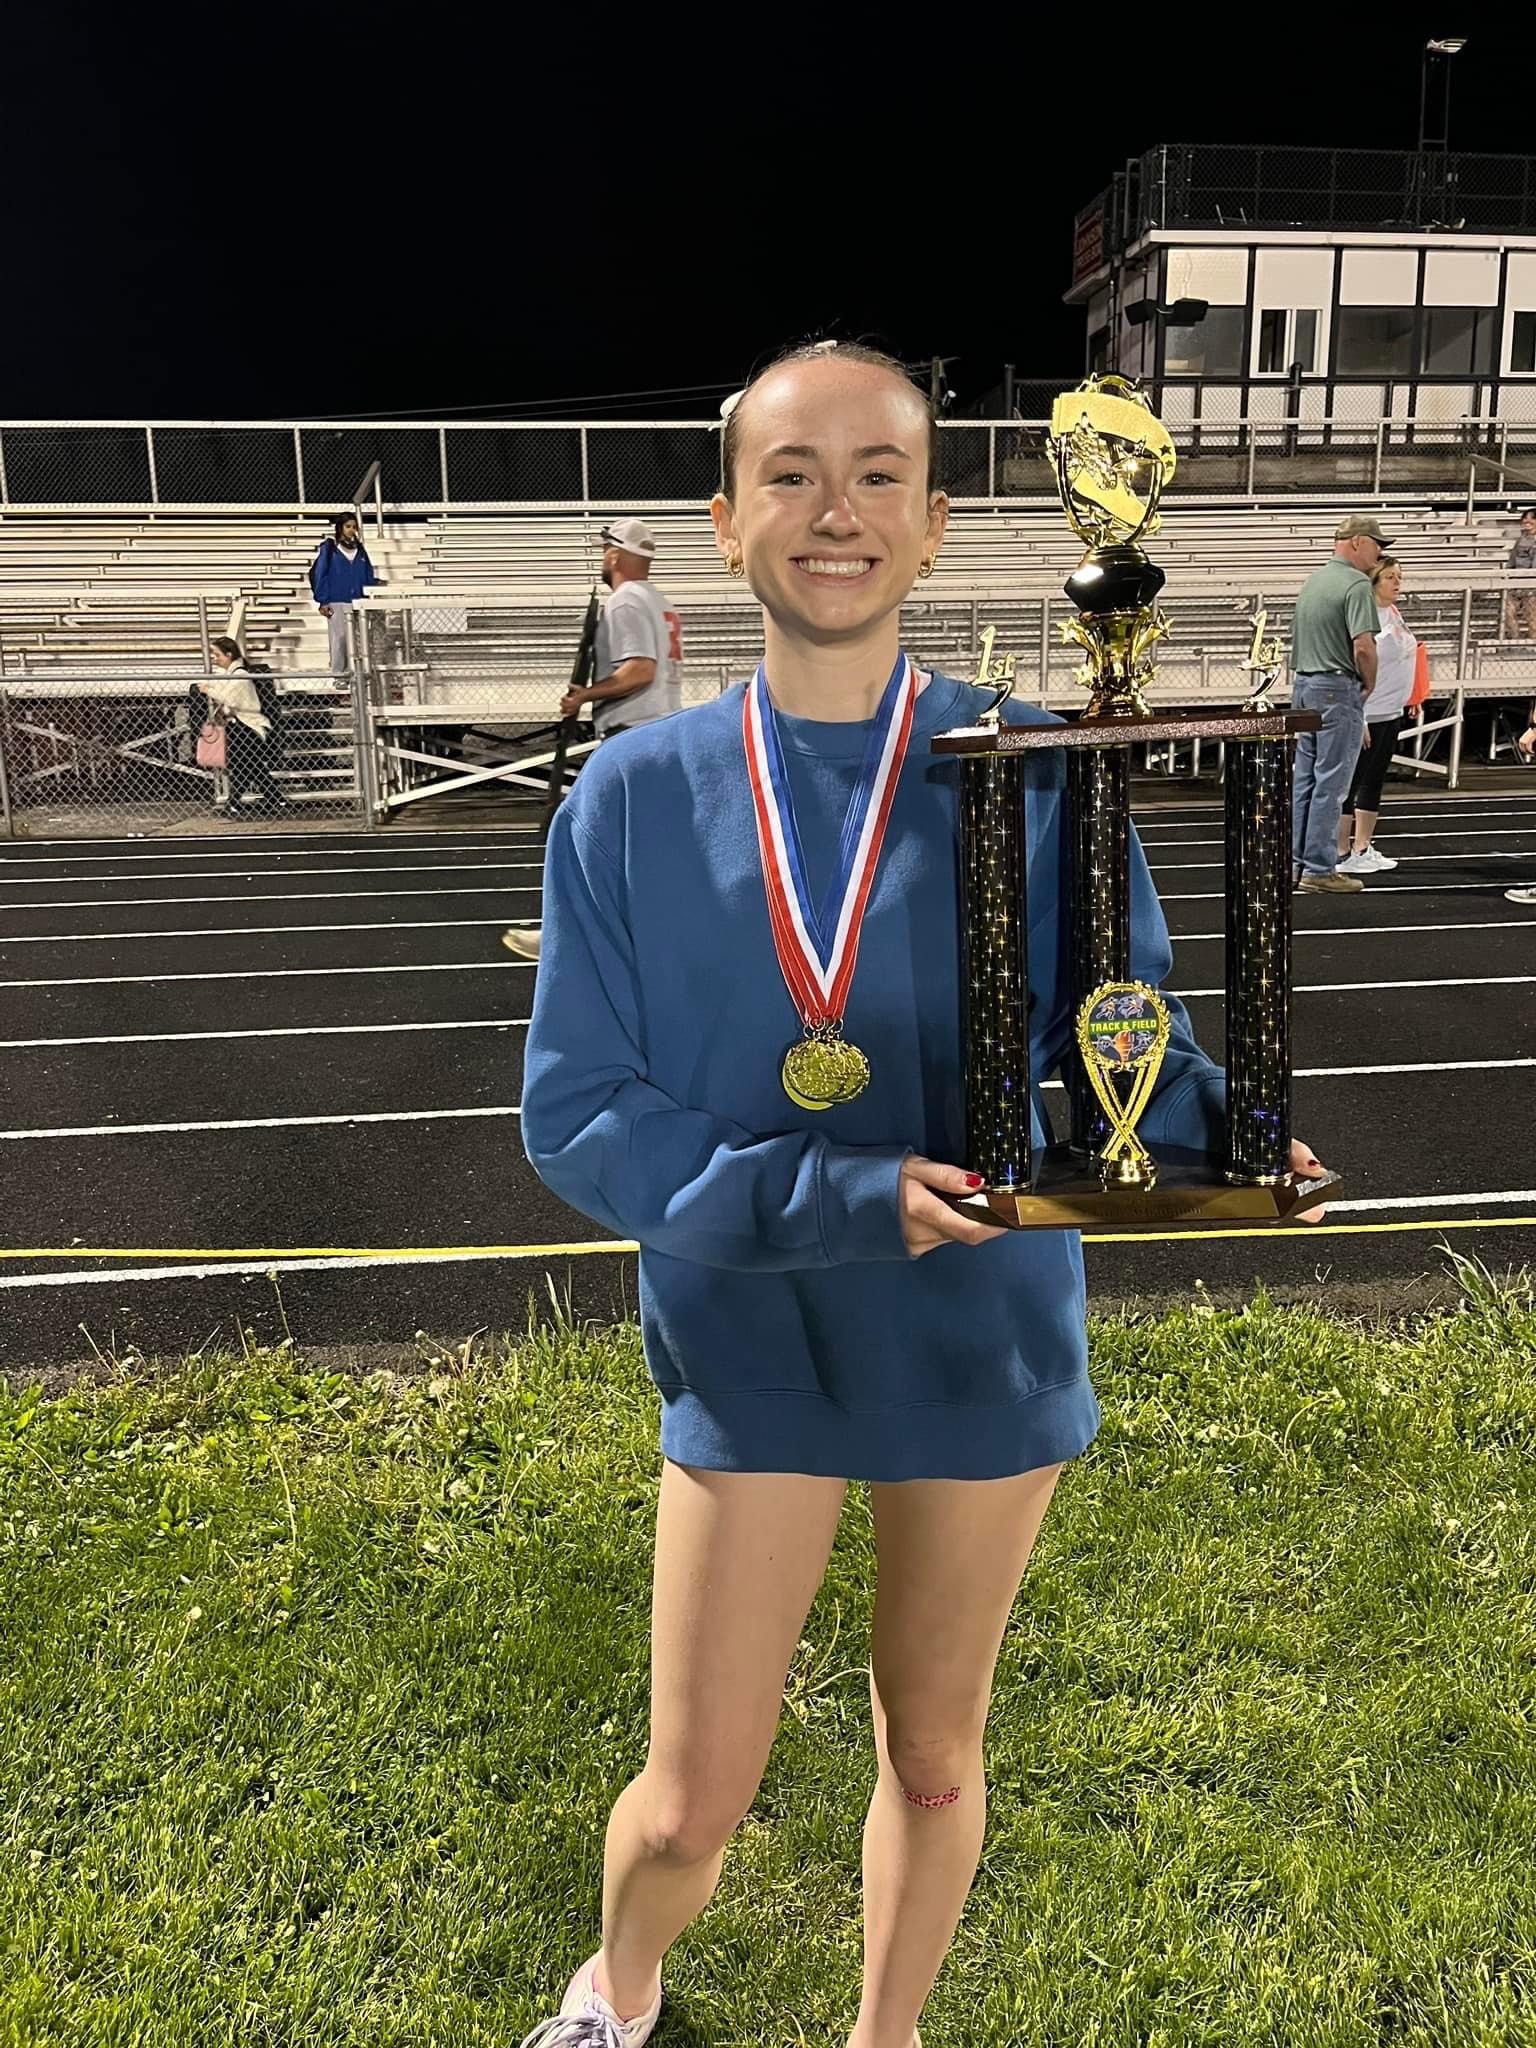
pixel 282 1047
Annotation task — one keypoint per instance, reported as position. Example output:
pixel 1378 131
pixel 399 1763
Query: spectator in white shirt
pixel 1396 655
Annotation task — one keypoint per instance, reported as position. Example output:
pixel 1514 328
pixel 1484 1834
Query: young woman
pixel 235 704
pixel 814 1312
pixel 1396 653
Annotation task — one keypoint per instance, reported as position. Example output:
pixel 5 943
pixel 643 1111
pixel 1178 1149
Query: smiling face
pixel 830 508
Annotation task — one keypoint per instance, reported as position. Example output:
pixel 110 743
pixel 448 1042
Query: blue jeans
pixel 1325 761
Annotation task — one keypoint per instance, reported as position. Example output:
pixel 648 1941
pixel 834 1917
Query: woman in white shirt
pixel 1396 654
pixel 235 704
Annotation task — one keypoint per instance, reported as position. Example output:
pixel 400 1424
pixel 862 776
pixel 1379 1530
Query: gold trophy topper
pixel 1266 660
pixel 1114 459
pixel 995 673
pixel 1122 1030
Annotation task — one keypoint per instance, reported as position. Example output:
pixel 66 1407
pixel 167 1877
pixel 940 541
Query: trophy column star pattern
pixel 1114 459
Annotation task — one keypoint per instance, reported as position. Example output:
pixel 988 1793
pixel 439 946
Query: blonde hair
pixel 1383 565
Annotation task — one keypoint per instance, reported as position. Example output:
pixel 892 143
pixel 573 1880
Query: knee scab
pixel 931 1799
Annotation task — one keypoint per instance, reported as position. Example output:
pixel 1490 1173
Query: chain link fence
pixel 88 755
pixel 524 466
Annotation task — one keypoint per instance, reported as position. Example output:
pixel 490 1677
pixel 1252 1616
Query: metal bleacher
pixel 127 595
pixel 463 649
pixel 522 581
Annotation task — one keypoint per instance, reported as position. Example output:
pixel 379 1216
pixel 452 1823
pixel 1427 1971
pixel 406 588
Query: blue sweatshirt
pixel 335 580
pixel 785 1325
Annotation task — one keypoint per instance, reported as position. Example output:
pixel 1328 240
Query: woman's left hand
pixel 1306 1165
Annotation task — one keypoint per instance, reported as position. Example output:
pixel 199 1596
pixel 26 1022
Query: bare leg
pixel 952 1553
pixel 739 1556
pixel 1365 828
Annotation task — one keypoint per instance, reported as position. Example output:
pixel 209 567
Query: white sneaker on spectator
pixel 523 940
pixel 1520 896
pixel 1368 863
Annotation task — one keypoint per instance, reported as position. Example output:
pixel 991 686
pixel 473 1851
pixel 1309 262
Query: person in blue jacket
pixel 813 1310
pixel 339 574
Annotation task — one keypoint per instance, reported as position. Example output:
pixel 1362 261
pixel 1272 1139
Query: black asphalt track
pixel 325 1039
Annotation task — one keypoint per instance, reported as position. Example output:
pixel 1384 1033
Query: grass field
pixel 315 1692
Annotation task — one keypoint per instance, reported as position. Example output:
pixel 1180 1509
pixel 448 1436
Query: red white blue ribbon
pixel 818 949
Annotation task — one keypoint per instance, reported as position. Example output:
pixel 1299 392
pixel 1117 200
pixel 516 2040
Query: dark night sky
pixel 267 212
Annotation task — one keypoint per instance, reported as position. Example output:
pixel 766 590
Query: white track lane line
pixel 1334 988
pixel 259 1123
pixel 317 850
pixel 152 842
pixel 272 973
pixel 1459 801
pixel 1522 821
pixel 280 896
pixel 251 931
pixel 1435 1201
pixel 1357 931
pixel 254 1266
pixel 1375 889
pixel 458 867
pixel 288 1031
pixel 1182 845
pixel 1526 854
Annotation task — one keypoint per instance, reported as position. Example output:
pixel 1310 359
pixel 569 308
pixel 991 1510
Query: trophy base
pixel 1067 1198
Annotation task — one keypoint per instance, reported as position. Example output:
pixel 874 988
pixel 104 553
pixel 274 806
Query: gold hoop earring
pixel 925 566
pixel 735 566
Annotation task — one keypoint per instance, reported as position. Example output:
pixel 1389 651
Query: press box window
pixel 1286 335
pixel 1458 341
pixel 1522 351
pixel 1375 341
pixel 1212 347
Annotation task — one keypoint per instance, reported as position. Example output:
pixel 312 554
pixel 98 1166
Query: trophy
pixel 1114 459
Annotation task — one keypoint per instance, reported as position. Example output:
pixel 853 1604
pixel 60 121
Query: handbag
pixel 1420 690
pixel 212 746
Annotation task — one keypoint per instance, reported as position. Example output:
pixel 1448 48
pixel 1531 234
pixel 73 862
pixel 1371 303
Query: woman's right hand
pixel 927 1222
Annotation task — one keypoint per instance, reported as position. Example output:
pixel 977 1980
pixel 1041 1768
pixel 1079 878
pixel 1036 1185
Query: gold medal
pixel 823 1069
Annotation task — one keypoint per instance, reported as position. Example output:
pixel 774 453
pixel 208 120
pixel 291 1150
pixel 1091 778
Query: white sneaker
pixel 1520 896
pixel 523 940
pixel 587 2021
pixel 1368 863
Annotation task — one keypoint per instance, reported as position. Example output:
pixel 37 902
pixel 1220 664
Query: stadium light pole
pixel 1438 51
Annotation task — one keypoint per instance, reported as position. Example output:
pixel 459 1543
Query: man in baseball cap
pixel 632 536
pixel 638 660
pixel 1363 526
pixel 1333 653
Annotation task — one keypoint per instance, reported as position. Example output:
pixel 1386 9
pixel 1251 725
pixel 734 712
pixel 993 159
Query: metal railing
pixel 301 468
pixel 1248 185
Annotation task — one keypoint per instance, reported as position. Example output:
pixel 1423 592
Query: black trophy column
pixel 994 921
pixel 1099 801
pixel 1258 959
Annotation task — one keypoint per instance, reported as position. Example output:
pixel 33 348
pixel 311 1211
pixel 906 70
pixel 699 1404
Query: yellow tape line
pixel 607 1245
pixel 334 1251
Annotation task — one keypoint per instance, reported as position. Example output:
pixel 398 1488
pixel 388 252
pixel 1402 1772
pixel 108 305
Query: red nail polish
pixel 974 1180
